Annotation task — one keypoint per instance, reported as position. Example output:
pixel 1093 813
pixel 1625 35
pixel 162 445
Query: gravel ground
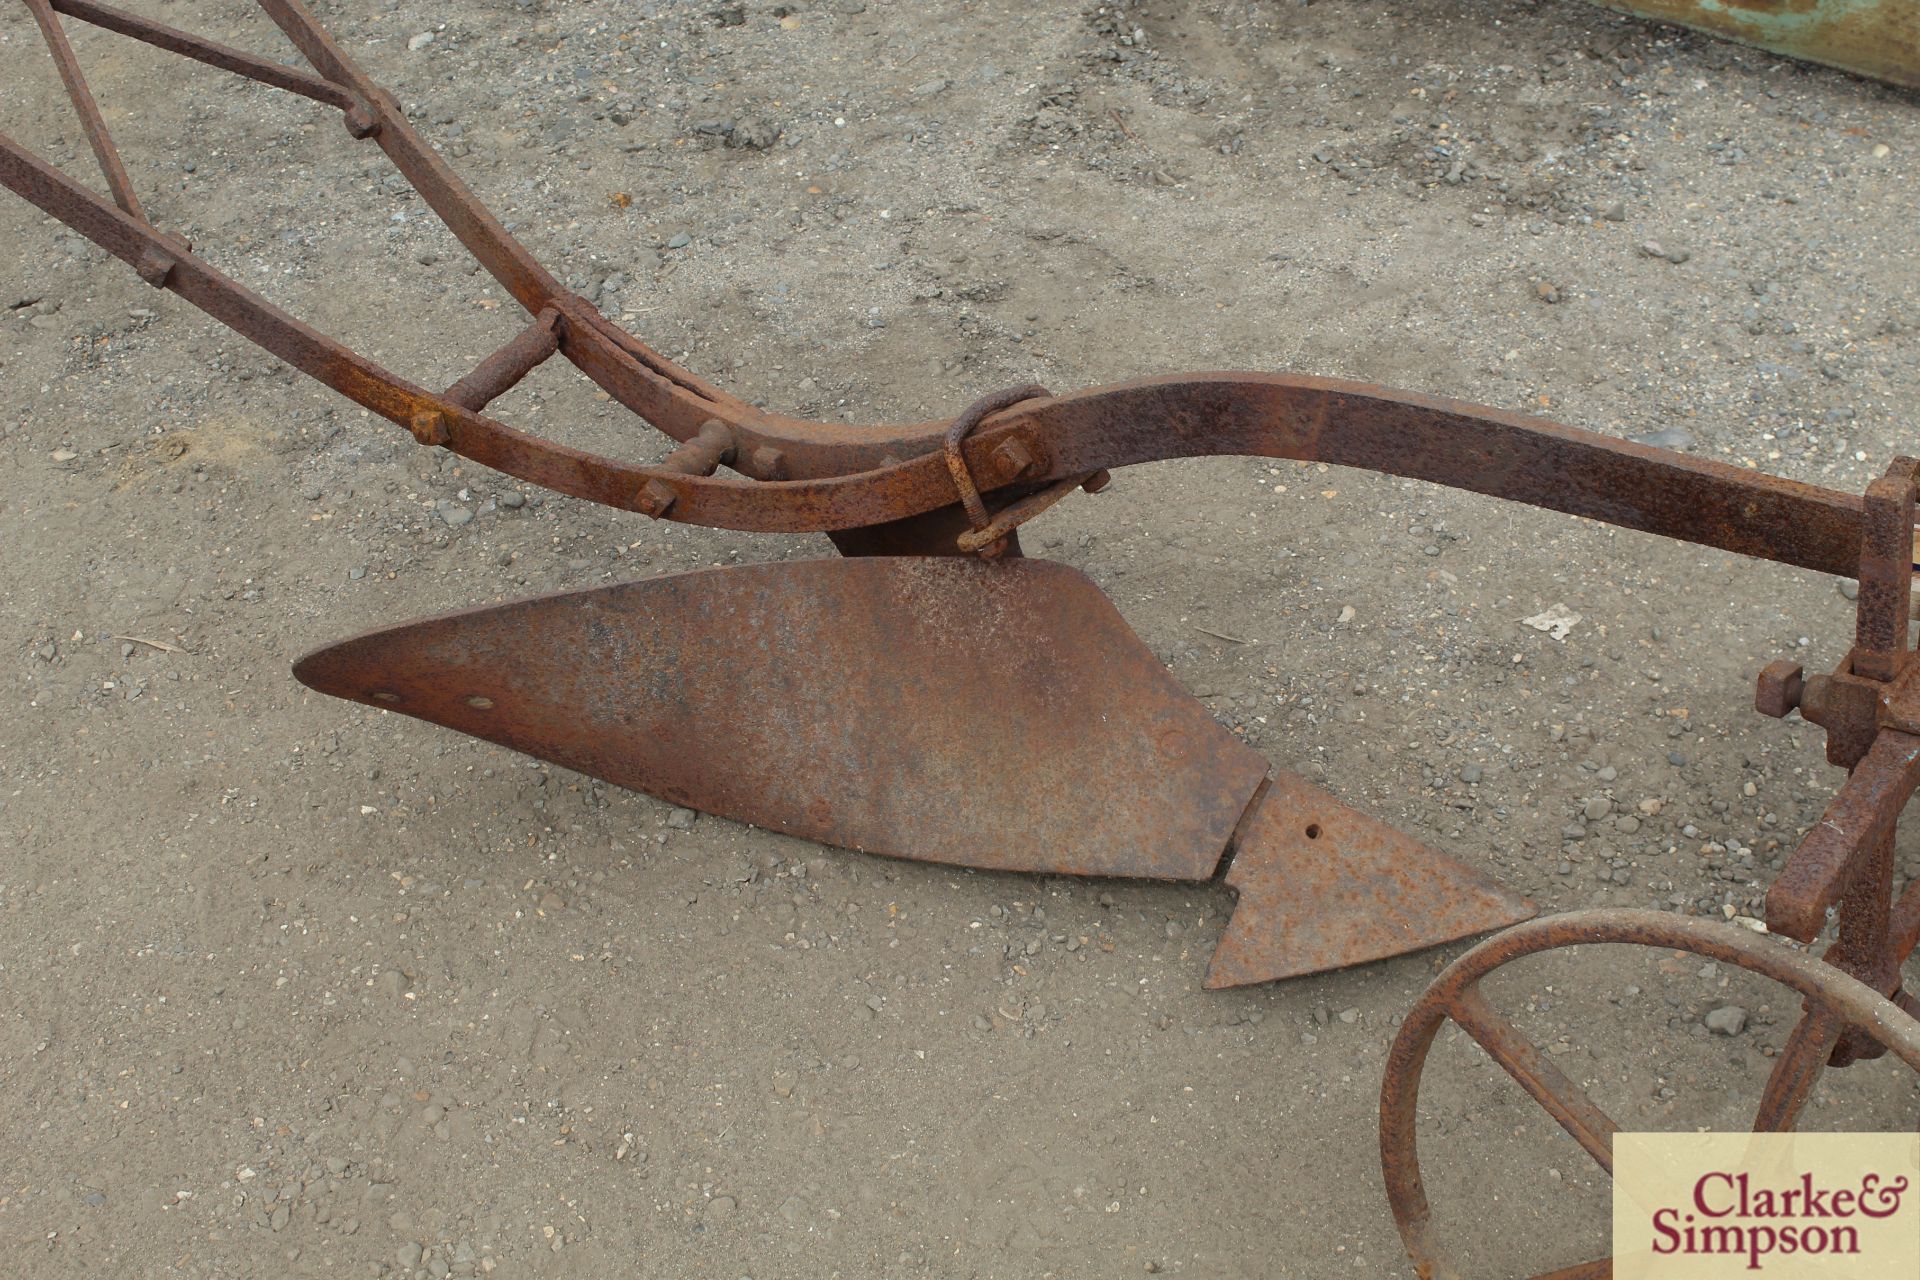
pixel 296 988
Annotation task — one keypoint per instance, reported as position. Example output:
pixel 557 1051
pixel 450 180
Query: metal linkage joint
pixel 1015 514
pixel 429 426
pixel 362 121
pixel 1018 457
pixel 155 266
pixel 711 448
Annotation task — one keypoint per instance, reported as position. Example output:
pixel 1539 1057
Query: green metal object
pixel 1877 38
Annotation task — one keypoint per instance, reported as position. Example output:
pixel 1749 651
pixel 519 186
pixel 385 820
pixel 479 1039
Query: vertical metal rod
pixel 1797 1068
pixel 1886 573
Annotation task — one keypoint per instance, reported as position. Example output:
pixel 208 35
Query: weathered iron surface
pixel 1854 1005
pixel 1860 816
pixel 1870 708
pixel 873 484
pixel 986 714
pixel 1834 1000
pixel 936 488
pixel 1323 886
pixel 1878 38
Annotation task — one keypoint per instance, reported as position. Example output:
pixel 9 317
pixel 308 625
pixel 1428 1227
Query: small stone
pixel 408 1255
pixel 454 514
pixel 1615 212
pixel 753 134
pixel 681 819
pixel 1676 438
pixel 720 1208
pixel 1598 808
pixel 1349 1016
pixel 392 982
pixel 1470 774
pixel 356 573
pixel 512 500
pixel 1728 1020
pixel 416 43
pixel 679 241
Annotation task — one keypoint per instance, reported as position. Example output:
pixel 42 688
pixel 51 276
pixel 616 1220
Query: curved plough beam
pixel 806 476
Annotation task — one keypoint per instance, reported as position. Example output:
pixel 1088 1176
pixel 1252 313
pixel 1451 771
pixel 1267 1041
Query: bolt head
pixel 429 426
pixel 1779 689
pixel 655 499
pixel 769 463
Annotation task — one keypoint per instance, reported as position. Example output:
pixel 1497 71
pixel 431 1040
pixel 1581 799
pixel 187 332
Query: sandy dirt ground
pixel 295 988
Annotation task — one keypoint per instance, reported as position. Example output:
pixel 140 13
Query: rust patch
pixel 1323 886
pixel 987 714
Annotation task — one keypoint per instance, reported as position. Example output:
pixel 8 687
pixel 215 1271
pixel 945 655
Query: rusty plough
pixel 935 695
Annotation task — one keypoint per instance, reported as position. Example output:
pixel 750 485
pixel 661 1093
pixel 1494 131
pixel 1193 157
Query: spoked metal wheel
pixel 1834 1004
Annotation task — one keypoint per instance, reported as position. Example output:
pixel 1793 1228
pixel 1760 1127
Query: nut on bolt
pixel 1014 455
pixel 1779 688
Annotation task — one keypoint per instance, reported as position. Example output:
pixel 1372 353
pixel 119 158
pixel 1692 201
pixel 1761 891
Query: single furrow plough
pixel 933 694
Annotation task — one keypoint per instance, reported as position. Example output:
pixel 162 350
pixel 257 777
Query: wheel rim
pixel 1834 1002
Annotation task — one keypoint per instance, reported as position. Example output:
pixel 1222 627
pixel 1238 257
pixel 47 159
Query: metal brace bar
pixel 500 372
pixel 213 54
pixel 1861 813
pixel 89 110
